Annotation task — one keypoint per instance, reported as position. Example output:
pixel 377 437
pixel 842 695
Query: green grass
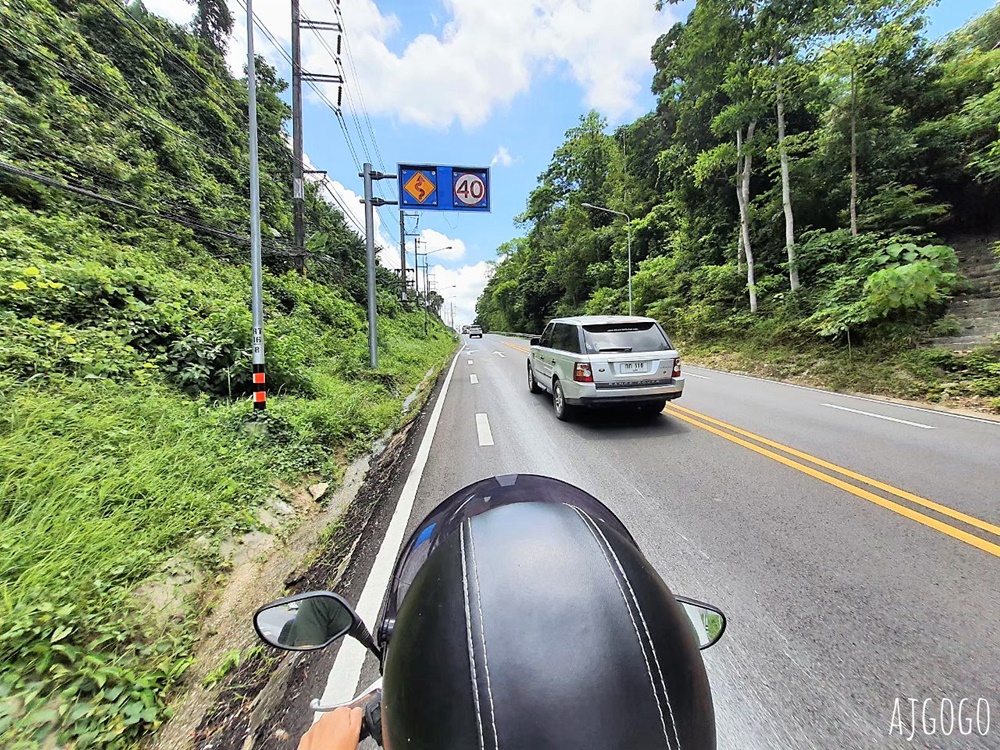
pixel 896 368
pixel 101 483
pixel 126 439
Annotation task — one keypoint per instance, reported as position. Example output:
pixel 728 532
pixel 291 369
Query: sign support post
pixel 371 202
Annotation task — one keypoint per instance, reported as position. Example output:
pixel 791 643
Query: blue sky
pixel 475 83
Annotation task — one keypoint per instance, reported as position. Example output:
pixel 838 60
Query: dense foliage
pixel 125 325
pixel 792 185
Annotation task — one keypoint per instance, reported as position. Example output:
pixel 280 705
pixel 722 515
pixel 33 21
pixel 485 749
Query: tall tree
pixel 213 22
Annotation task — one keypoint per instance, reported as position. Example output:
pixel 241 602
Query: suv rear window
pixel 624 337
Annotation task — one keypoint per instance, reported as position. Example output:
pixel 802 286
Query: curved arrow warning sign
pixel 420 187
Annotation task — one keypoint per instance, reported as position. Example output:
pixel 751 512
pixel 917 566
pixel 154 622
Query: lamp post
pixel 628 228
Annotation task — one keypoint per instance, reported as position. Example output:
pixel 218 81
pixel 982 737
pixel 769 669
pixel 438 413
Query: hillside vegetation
pixel 125 431
pixel 790 199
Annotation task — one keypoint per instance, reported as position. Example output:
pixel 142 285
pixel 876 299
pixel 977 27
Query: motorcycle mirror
pixel 310 621
pixel 709 622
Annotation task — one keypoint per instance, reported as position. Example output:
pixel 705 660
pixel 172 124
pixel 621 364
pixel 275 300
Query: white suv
pixel 605 360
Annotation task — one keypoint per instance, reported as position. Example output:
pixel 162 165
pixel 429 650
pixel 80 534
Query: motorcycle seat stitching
pixel 472 653
pixel 482 633
pixel 638 635
pixel 642 619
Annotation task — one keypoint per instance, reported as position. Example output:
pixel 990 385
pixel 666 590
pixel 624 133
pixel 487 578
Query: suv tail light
pixel 677 367
pixel 582 372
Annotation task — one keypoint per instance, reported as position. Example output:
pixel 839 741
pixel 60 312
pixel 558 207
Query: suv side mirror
pixel 533 341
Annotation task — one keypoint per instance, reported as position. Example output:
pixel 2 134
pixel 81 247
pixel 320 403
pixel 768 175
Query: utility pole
pixel 298 187
pixel 371 203
pixel 298 76
pixel 256 271
pixel 416 267
pixel 402 252
pixel 403 234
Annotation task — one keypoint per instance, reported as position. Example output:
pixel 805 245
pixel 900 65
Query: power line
pixel 319 92
pixel 108 97
pixel 354 116
pixel 357 79
pixel 77 189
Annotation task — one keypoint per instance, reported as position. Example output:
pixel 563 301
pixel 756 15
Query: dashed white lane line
pixel 880 416
pixel 473 378
pixel 470 361
pixel 483 428
pixel 499 353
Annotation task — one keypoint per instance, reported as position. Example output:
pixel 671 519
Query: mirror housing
pixel 708 622
pixel 310 621
pixel 533 341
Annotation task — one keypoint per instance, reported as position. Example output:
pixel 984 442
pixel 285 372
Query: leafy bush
pixel 906 279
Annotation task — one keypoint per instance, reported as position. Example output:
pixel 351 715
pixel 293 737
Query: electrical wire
pixel 319 92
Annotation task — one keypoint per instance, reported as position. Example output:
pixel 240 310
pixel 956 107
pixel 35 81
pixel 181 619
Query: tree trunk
pixel 854 153
pixel 786 190
pixel 743 197
pixel 740 253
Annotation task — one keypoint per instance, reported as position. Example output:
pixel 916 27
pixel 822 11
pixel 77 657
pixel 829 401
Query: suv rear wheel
pixel 651 409
pixel 564 412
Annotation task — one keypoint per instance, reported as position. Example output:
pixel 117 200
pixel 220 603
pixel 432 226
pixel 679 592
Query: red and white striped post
pixel 257 291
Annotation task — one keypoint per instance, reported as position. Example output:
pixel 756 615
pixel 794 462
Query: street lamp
pixel 628 228
pixel 416 258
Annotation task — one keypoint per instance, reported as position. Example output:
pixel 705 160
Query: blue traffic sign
pixel 425 187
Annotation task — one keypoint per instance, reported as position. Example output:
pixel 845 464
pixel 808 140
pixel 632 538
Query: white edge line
pixel 483 428
pixel 880 416
pixel 346 671
pixel 473 378
pixel 688 374
pixel 939 412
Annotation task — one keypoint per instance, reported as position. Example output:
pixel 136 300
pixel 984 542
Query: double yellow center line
pixel 757 443
pixel 736 435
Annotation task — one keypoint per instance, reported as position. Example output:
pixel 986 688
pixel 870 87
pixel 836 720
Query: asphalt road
pixel 853 544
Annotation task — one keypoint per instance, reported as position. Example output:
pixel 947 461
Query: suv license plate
pixel 629 367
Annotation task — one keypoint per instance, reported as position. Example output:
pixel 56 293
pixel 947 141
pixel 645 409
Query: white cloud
pixel 432 240
pixel 468 281
pixel 502 157
pixel 484 55
pixel 177 11
pixel 487 53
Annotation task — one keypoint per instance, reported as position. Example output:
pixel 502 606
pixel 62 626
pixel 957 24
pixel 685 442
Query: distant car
pixel 475 332
pixel 605 360
pixel 465 329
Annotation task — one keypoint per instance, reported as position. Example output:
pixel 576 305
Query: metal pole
pixel 427 293
pixel 370 246
pixel 416 269
pixel 629 227
pixel 298 187
pixel 256 287
pixel 402 251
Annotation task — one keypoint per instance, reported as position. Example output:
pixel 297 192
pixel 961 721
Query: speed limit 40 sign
pixel 440 188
